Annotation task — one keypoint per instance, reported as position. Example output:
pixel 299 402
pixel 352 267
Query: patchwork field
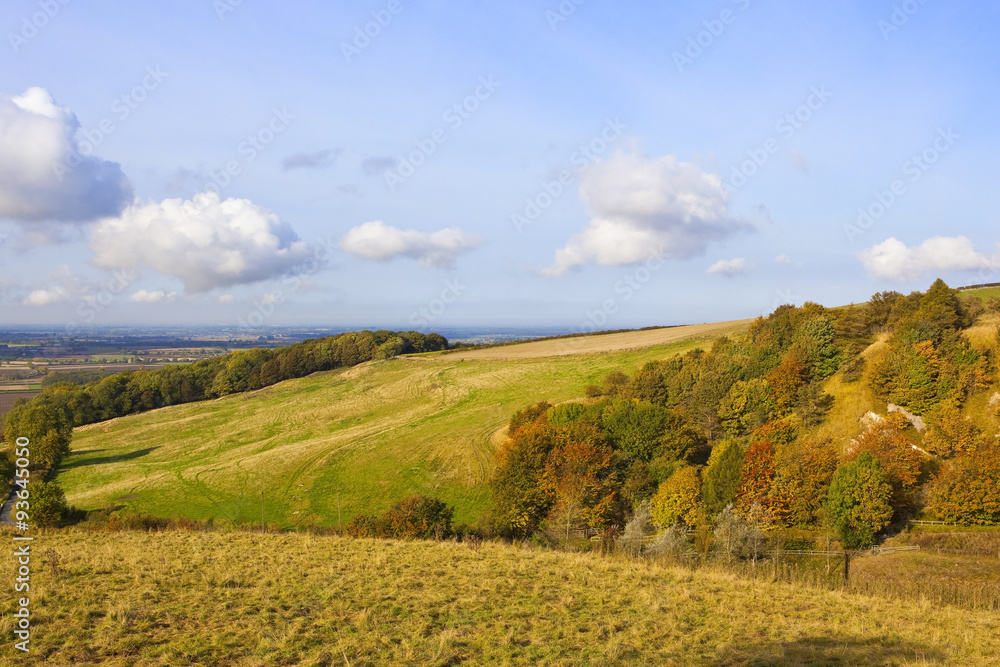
pixel 217 598
pixel 326 447
pixel 7 399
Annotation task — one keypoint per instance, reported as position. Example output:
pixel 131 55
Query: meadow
pixel 233 598
pixel 334 444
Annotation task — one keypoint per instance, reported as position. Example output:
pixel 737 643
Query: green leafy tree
pixel 47 427
pixel 635 427
pixel 748 406
pixel 47 504
pixel 722 478
pixel 858 501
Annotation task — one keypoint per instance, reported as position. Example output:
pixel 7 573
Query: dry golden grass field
pixel 630 340
pixel 219 598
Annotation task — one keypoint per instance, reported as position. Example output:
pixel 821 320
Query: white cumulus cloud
pixel 381 242
pixel 893 260
pixel 46 174
pixel 729 267
pixel 643 206
pixel 143 296
pixel 205 242
pixel 46 297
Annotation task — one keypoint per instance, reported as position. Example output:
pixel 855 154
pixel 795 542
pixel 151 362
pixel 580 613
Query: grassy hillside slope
pixel 369 436
pixel 182 598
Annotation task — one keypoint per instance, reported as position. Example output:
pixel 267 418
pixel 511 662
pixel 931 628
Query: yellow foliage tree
pixel 677 500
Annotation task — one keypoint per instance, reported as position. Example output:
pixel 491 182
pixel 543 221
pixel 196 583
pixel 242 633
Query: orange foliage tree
pixel 967 489
pixel 898 457
pixel 519 504
pixel 802 481
pixel 756 479
pixel 581 480
pixel 787 379
pixel 949 433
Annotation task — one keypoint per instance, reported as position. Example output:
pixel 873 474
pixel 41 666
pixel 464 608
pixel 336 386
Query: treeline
pixel 730 428
pixel 47 420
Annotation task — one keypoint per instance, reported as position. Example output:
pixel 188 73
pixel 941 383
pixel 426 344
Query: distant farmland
pixel 7 399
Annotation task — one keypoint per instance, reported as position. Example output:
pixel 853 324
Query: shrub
pixel 417 517
pixel 636 529
pixel 362 525
pixel 740 535
pixel 47 504
pixel 671 543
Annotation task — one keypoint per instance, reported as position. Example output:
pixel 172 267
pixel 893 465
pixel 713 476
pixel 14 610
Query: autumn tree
pixel 581 481
pixel 786 380
pixel 813 404
pixel 756 477
pixel 901 462
pixel 677 499
pixel 802 478
pixel 615 383
pixel 950 433
pixel 967 489
pixel 748 405
pixel 634 427
pixel 519 502
pixel 858 501
pixel 778 432
pixel 527 416
pixel 815 337
pixel 48 504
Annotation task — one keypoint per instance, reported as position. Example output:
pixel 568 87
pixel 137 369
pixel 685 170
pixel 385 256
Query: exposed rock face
pixel 916 420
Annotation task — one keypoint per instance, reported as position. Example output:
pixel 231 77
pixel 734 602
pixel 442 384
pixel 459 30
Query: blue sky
pixel 654 226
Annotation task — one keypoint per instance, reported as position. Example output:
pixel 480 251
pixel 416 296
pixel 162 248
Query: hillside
pixel 186 598
pixel 363 437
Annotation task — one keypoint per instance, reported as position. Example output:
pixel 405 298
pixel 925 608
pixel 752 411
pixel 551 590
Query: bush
pixel 636 529
pixel 671 543
pixel 417 517
pixel 47 504
pixel 362 525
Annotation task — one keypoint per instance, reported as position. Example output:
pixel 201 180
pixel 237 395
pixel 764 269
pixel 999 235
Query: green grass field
pixel 228 598
pixel 359 439
pixel 983 293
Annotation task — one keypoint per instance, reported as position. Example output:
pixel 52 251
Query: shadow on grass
pixel 832 650
pixel 100 460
